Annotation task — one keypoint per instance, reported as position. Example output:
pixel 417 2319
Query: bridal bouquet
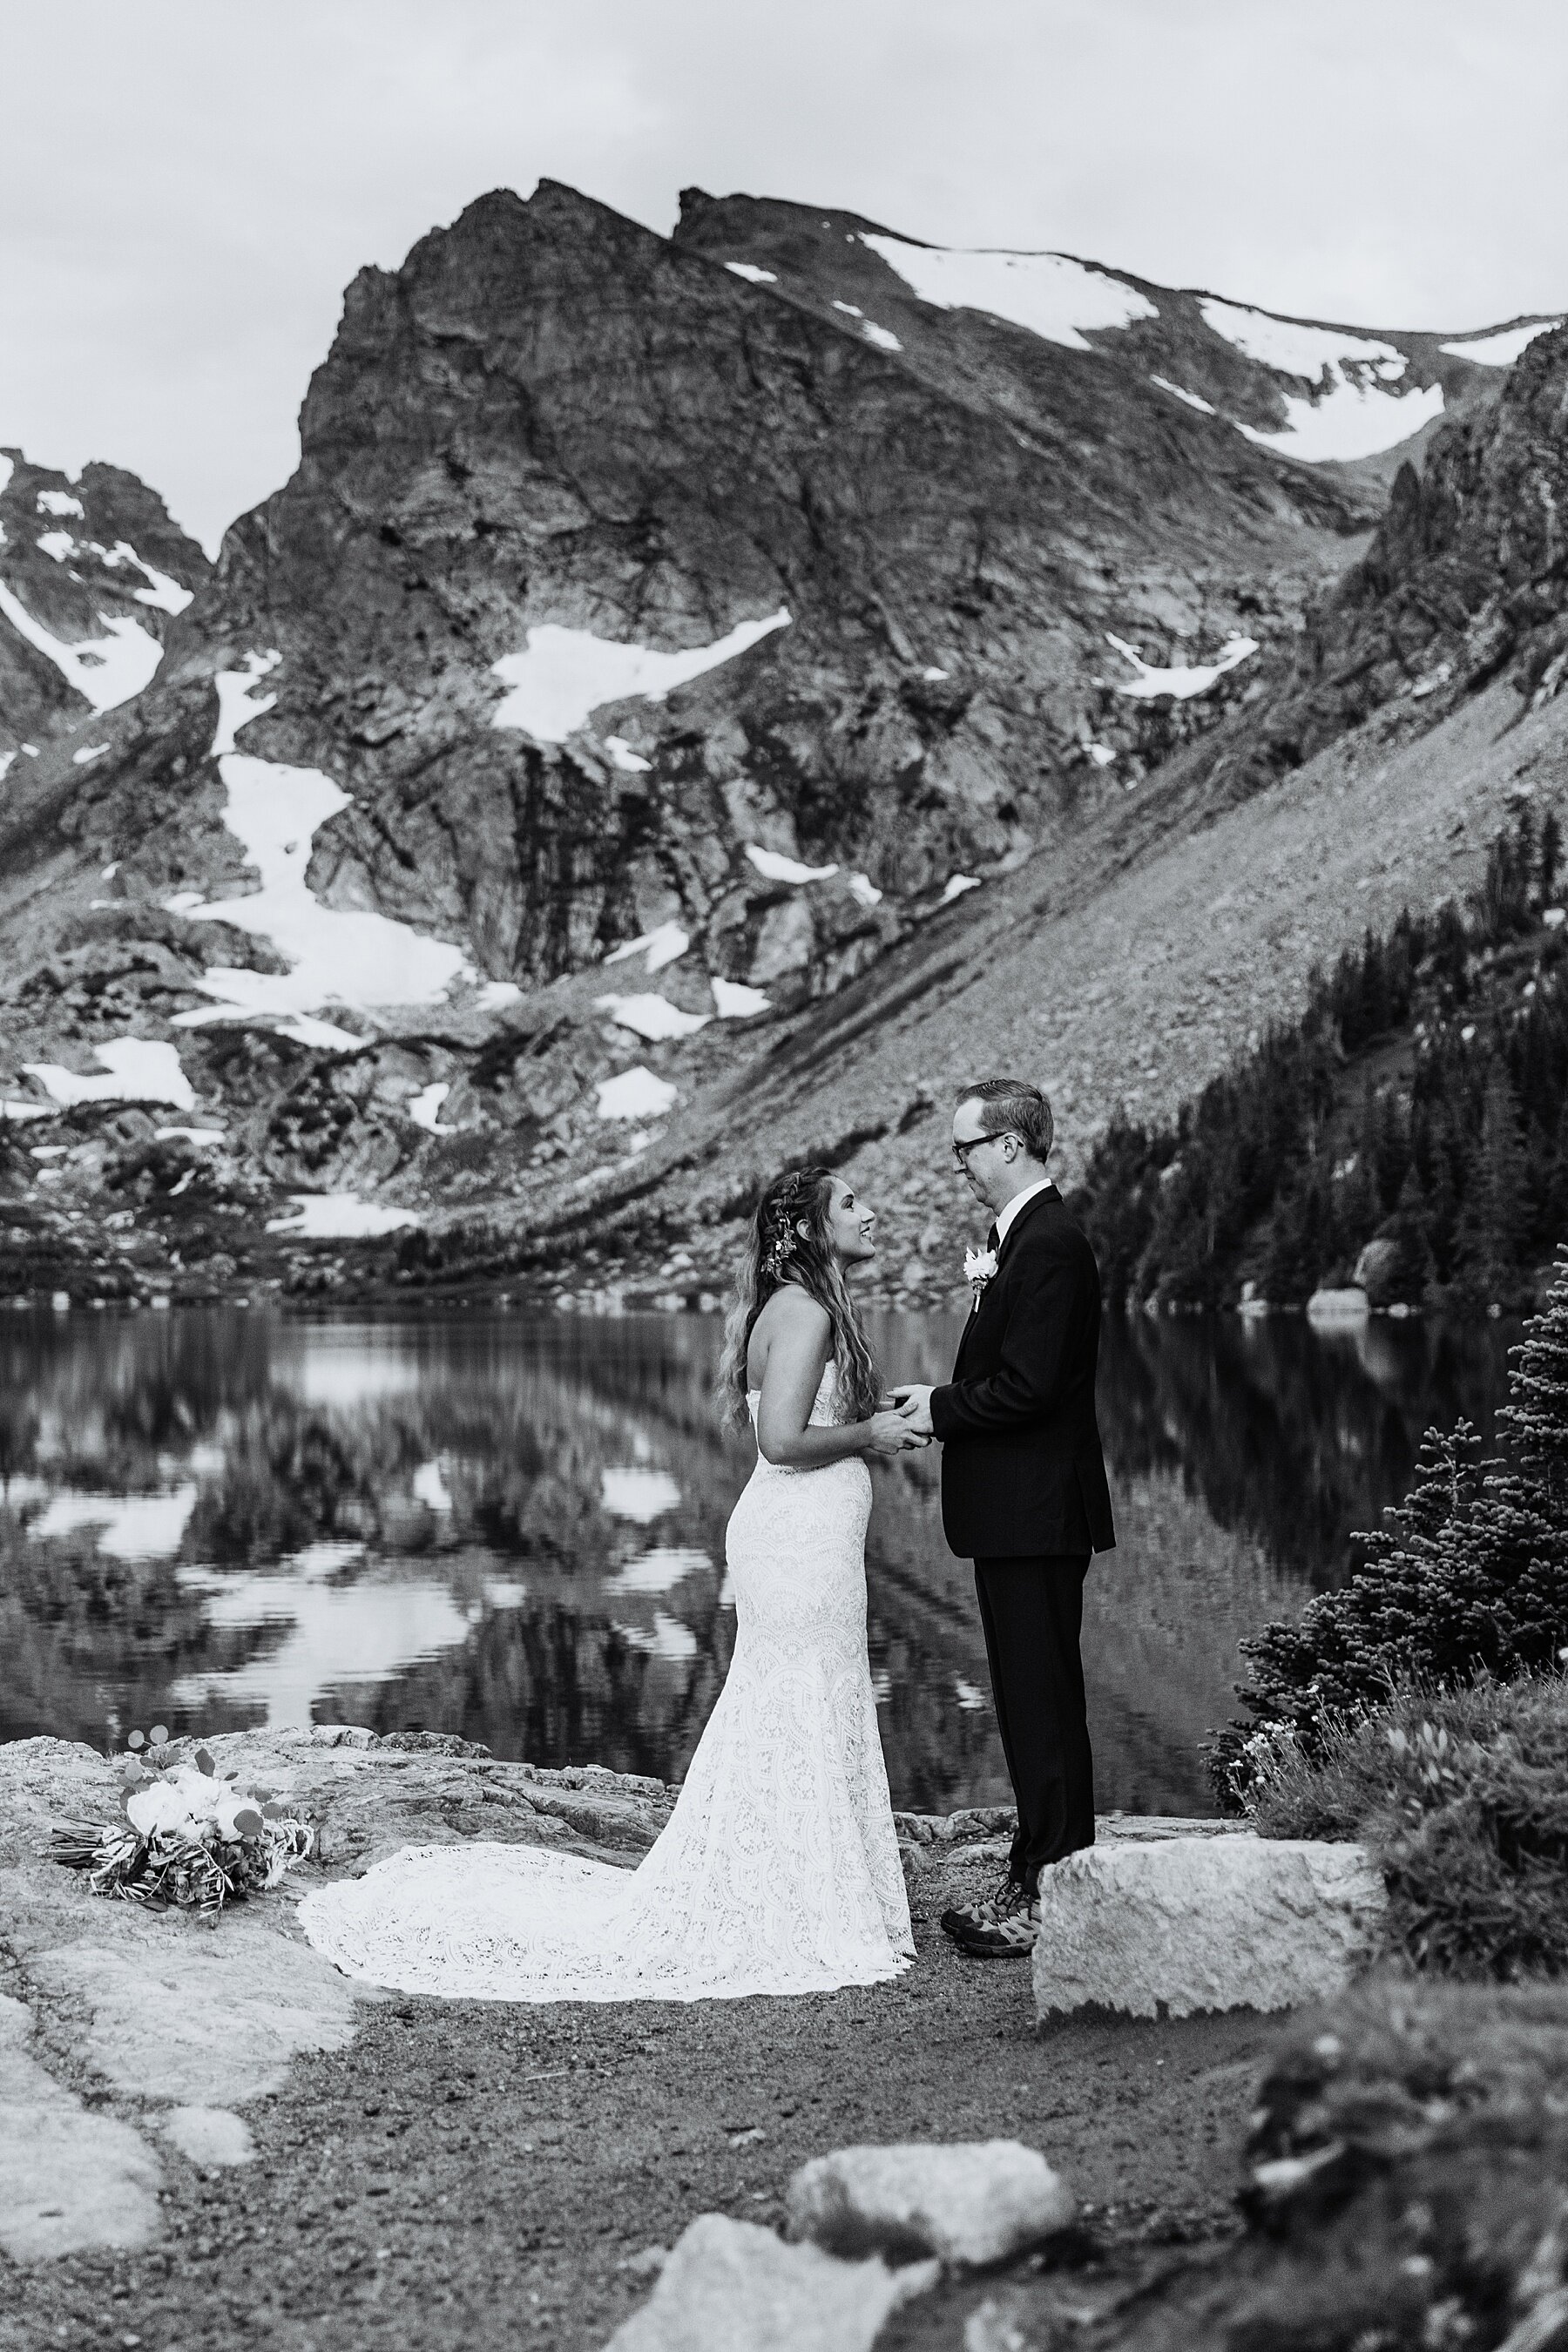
pixel 188 1834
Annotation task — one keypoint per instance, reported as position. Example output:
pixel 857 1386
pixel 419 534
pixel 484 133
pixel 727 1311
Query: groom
pixel 1024 1493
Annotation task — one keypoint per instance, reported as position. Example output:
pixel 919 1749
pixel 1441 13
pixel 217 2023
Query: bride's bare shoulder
pixel 793 1312
pixel 791 1324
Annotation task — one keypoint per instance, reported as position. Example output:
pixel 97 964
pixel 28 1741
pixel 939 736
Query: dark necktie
pixel 994 1239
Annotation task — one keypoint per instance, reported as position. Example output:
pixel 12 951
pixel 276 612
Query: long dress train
pixel 778 1871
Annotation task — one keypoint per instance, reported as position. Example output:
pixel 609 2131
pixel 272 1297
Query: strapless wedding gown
pixel 778 1871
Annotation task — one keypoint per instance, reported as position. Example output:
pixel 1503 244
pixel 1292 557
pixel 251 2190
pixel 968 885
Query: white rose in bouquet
pixel 159 1808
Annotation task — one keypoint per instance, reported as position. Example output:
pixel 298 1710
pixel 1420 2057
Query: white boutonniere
pixel 979 1268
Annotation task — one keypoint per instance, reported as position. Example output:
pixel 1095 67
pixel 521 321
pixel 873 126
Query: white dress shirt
pixel 1019 1200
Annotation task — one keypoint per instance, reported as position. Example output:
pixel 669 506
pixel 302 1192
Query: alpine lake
pixel 510 1527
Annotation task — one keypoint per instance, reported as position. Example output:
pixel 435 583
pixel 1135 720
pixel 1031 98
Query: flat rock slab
pixel 972 2202
pixel 1187 1925
pixel 69 2180
pixel 730 2286
pixel 201 2016
pixel 212 2138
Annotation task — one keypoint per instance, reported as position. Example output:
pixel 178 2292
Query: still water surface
pixel 513 1528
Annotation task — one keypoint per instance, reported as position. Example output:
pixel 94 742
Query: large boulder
pixel 1172 1928
pixel 971 2201
pixel 730 2286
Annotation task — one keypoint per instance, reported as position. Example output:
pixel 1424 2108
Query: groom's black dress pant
pixel 1032 1609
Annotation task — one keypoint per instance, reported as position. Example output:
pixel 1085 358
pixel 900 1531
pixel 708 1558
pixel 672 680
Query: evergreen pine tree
pixel 1493 1220
pixel 1554 1202
pixel 1550 855
pixel 1409 1275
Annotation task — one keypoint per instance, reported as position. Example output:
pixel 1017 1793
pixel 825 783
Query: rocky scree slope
pixel 630 591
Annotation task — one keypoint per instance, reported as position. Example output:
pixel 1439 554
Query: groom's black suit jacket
pixel 1022 1470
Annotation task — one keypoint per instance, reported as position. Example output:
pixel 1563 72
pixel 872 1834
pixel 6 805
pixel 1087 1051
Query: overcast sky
pixel 186 188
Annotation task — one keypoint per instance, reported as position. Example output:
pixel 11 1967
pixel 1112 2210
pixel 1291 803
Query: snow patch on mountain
pixel 1502 348
pixel 883 337
pixel 650 1016
pixel 165 591
pixel 236 705
pixel 105 671
pixel 637 1093
pixel 139 1069
pixel 775 867
pixel 1357 412
pixel 667 944
pixel 752 274
pixel 1294 347
pixel 1180 684
pixel 338 1217
pixel 162 588
pixel 347 956
pixel 1050 294
pixel 1352 420
pixel 738 1003
pixel 1204 407
pixel 563 676
pixel 58 502
pixel 424 1108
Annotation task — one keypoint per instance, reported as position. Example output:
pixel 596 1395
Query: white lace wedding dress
pixel 778 1871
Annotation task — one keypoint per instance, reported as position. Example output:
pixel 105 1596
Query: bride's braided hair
pixel 788 1242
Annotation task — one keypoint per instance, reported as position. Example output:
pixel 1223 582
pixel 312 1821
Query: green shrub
pixel 1462 1796
pixel 1468 1575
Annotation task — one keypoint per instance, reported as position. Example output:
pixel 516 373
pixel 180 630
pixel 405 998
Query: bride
pixel 778 1871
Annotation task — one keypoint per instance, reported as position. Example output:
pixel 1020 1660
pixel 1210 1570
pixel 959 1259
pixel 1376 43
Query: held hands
pixel 913 1403
pixel 889 1434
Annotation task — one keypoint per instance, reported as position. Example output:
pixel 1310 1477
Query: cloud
pixel 184 191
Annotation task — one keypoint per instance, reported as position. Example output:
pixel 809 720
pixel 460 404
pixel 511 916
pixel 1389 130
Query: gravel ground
pixel 471 2176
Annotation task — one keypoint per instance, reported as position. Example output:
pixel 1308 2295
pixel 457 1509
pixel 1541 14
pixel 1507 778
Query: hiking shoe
pixel 1006 1900
pixel 1009 1937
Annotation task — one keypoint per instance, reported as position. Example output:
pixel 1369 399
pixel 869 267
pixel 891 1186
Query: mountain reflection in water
pixel 513 1528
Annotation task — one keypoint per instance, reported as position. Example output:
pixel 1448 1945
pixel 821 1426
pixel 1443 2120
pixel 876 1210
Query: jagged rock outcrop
pixel 1466 579
pixel 92 573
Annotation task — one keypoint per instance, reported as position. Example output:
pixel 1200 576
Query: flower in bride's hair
pixel 780 1251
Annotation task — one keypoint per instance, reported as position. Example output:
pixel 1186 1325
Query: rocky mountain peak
pixel 657 635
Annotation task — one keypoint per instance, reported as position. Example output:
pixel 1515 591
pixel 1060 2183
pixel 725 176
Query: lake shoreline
pixel 459 2169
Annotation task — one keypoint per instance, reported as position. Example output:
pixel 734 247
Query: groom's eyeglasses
pixel 961 1151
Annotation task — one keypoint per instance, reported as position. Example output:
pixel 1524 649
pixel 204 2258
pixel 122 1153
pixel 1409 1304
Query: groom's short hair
pixel 1009 1105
